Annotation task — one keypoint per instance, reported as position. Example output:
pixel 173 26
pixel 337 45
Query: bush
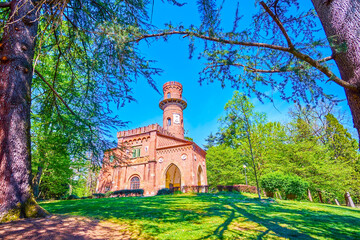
pixel 72 196
pixel 129 192
pixel 108 194
pixel 294 186
pixel 164 191
pixel 99 195
pixel 272 182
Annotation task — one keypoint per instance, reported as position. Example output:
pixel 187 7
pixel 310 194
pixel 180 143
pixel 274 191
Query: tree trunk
pixel 16 56
pixel 309 195
pixel 36 184
pixel 320 197
pixel 341 22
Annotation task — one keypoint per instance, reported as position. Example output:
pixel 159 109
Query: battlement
pixel 171 84
pixel 146 129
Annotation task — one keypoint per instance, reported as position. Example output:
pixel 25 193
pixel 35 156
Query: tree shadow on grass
pixel 209 216
pixel 62 227
pixel 303 223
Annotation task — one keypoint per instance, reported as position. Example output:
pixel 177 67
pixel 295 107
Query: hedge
pixel 99 195
pixel 292 185
pixel 237 188
pixel 164 191
pixel 129 192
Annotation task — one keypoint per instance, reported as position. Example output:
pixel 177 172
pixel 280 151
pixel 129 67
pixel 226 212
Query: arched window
pixel 135 183
pixel 168 95
pixel 169 121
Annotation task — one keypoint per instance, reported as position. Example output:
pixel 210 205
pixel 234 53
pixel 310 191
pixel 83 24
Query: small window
pixel 111 159
pixel 135 183
pixel 168 95
pixel 169 121
pixel 136 152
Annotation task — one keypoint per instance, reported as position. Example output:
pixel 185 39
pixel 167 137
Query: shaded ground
pixel 178 217
pixel 62 227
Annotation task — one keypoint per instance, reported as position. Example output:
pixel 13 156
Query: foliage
pixel 273 181
pixel 223 166
pixel 164 191
pixel 51 158
pixel 72 197
pixel 217 216
pixel 108 194
pixel 189 139
pixel 99 195
pixel 295 185
pixel 128 192
pixel 210 141
pixel 238 129
pixel 314 145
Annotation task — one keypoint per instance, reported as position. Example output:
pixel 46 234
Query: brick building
pixel 155 157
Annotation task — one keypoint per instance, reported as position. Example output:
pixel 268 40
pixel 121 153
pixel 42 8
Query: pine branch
pixel 5 4
pixel 54 91
pixel 306 58
pixel 280 25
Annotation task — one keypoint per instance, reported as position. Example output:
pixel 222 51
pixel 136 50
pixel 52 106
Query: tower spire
pixel 173 105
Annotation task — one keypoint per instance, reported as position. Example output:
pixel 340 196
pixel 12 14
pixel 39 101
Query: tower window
pixel 169 121
pixel 135 183
pixel 168 95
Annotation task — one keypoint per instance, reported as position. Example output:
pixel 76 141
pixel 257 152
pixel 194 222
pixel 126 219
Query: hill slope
pixel 214 216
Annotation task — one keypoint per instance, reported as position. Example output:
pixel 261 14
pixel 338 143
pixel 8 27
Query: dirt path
pixel 59 227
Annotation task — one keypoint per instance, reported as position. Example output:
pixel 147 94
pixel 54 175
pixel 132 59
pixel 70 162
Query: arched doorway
pixel 173 177
pixel 200 176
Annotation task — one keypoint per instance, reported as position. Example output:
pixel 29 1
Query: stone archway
pixel 200 176
pixel 173 177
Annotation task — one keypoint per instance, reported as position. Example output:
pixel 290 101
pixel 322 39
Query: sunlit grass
pixel 218 216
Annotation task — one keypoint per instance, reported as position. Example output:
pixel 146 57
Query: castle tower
pixel 173 105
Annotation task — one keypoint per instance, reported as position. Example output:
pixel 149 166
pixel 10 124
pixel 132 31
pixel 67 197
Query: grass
pixel 217 216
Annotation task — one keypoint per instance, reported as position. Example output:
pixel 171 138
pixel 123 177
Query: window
pixel 136 152
pixel 169 121
pixel 111 159
pixel 135 183
pixel 168 95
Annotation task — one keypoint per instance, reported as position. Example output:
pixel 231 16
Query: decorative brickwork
pixel 156 157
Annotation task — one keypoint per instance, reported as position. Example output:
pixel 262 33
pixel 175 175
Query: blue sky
pixel 206 102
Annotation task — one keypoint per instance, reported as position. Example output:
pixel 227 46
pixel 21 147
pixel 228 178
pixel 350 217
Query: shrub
pixel 272 182
pixel 108 194
pixel 129 192
pixel 72 196
pixel 164 191
pixel 295 185
pixel 228 188
pixel 99 195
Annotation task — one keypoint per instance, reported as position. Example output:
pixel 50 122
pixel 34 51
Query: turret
pixel 173 105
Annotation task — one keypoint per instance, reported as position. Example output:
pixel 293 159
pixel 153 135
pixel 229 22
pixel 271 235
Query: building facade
pixel 155 157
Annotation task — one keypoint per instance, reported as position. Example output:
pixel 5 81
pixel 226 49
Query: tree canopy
pixel 317 149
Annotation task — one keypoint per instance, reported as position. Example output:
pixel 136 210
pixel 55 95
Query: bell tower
pixel 173 105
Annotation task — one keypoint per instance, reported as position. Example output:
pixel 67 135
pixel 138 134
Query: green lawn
pixel 223 216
